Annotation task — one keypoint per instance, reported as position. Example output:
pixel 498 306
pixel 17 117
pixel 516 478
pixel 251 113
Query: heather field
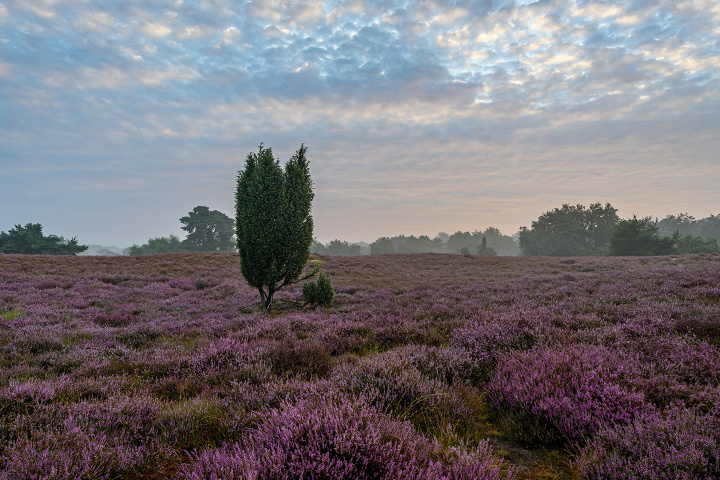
pixel 426 366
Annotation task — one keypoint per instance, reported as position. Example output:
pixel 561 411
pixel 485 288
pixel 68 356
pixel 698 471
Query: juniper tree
pixel 273 223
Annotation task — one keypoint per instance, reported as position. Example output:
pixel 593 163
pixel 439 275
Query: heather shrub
pixel 84 440
pixel 260 397
pixel 177 387
pixel 448 365
pixel 569 393
pixel 200 423
pixel 679 444
pixel 306 358
pixel 338 438
pixel 318 292
pixel 486 341
pixel 390 382
pixel 113 320
pixel 704 327
pixel 69 456
pixel 24 397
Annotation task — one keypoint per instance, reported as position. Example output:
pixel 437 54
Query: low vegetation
pixel 424 366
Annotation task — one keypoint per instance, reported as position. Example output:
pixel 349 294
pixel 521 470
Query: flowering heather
pixel 424 366
pixel 680 444
pixel 569 393
pixel 339 437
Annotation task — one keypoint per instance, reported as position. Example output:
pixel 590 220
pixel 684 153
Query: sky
pixel 118 117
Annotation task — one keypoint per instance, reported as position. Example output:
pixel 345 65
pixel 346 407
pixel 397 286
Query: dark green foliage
pixel 465 251
pixel 319 292
pixel 413 244
pixel 273 222
pixel 208 231
pixel 30 240
pixel 690 244
pixel 317 247
pixel 639 237
pixel 570 231
pixel 156 246
pixel 342 248
pixel 685 224
pixel 483 249
pixel 382 246
pixel 502 244
pixel 461 240
pixel 682 223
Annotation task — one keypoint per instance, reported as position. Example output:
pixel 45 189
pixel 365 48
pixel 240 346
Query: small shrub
pixel 319 292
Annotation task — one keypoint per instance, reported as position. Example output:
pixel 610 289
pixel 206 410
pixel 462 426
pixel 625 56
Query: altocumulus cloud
pixel 118 117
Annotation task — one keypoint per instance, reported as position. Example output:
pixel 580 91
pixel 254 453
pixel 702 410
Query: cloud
pixel 156 30
pixel 419 115
pixel 4 14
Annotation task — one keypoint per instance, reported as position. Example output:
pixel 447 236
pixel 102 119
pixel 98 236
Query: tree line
pixel 488 242
pixel 574 230
pixel 570 230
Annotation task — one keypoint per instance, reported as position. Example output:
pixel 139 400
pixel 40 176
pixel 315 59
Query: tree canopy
pixel 208 231
pixel 273 223
pixel 342 248
pixel 640 237
pixel 159 245
pixel 382 246
pixel 30 240
pixel 571 230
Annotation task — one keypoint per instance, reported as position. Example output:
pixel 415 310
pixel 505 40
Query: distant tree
pixel 317 247
pixel 459 240
pixel 640 237
pixel 382 246
pixel 709 227
pixel 465 251
pixel 273 222
pixel 413 244
pixel 157 246
pixel 682 223
pixel 571 230
pixel 208 231
pixel 691 244
pixel 106 252
pixel 30 240
pixel 440 241
pixel 685 224
pixel 342 248
pixel 483 249
pixel 502 244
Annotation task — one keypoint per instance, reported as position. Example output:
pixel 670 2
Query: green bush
pixel 319 292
